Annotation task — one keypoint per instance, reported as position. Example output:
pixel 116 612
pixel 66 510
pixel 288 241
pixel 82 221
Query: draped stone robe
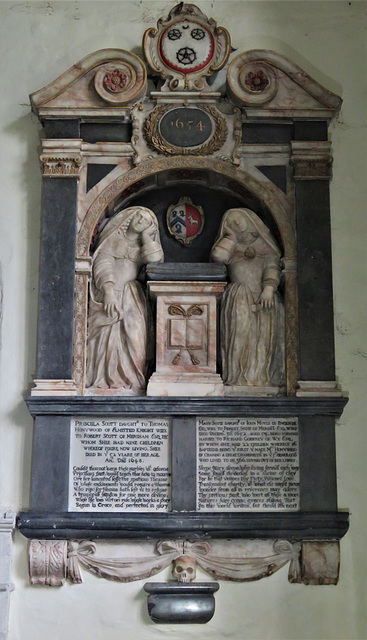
pixel 120 348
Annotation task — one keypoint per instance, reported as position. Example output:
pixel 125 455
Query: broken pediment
pixel 107 80
pixel 265 83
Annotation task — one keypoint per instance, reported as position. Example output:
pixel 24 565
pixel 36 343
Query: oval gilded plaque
pixel 186 127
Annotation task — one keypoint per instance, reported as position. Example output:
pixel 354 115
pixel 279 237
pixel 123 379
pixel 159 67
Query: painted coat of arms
pixel 185 220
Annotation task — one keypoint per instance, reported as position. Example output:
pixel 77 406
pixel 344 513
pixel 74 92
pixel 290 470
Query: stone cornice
pixel 311 160
pixel 282 406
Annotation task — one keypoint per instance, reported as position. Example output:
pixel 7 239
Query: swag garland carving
pixel 51 562
pixel 235 569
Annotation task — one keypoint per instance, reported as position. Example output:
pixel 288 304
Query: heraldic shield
pixel 185 220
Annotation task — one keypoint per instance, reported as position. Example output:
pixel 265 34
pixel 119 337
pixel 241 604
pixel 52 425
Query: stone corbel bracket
pixel 48 562
pixel 266 84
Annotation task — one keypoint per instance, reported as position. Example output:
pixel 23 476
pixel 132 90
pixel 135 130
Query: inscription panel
pixel 186 127
pixel 119 464
pixel 246 464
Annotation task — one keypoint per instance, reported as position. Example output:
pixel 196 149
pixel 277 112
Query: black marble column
pixel 315 294
pixel 312 171
pixel 56 306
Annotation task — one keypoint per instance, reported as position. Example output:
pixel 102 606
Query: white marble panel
pixel 119 464
pixel 247 464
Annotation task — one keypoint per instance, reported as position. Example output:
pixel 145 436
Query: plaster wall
pixel 40 40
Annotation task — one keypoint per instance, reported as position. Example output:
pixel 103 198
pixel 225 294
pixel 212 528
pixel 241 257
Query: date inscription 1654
pixel 185 127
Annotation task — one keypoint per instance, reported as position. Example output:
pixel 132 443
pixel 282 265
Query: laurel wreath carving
pixel 156 141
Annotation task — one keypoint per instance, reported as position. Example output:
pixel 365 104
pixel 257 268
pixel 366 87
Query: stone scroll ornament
pixel 252 316
pixel 123 81
pixel 119 322
pixel 185 47
pixel 184 556
pixel 185 220
pixel 251 82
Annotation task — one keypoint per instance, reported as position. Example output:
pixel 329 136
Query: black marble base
pixel 187 271
pixel 181 602
pixel 184 525
pixel 199 406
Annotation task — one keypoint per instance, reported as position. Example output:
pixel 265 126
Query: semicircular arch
pixel 106 197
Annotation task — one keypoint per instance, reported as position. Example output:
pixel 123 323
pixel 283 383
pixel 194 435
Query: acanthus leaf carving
pixel 48 562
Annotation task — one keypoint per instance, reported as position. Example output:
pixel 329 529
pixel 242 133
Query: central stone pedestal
pixel 186 358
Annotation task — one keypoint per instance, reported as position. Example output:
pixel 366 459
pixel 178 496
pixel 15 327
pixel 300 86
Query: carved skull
pixel 184 569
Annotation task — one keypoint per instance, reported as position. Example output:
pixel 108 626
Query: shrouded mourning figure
pixel 119 319
pixel 252 318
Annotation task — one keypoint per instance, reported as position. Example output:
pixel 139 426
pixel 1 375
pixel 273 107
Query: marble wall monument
pixel 185 386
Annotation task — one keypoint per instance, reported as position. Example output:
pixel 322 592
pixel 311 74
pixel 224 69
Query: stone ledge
pixel 199 406
pixel 192 525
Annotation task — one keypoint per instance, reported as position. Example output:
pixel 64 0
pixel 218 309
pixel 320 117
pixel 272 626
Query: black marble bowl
pixel 181 602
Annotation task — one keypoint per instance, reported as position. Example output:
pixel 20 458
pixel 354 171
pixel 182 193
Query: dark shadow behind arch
pixel 217 186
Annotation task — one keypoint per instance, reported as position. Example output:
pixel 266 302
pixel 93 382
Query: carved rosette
pixel 251 82
pixel 156 141
pixel 60 165
pixel 186 47
pixel 122 82
pixel 115 81
pixel 48 562
pixel 256 81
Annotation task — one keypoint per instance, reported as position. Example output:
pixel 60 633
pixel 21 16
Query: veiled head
pixel 248 228
pixel 138 218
